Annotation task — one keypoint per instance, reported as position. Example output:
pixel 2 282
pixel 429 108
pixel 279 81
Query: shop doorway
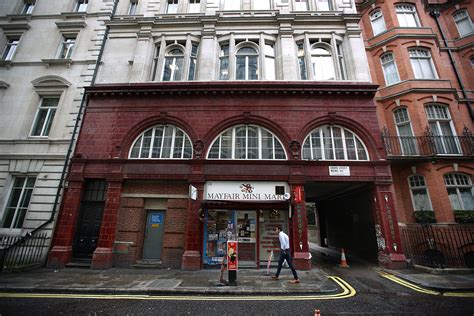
pixel 340 216
pixel 154 233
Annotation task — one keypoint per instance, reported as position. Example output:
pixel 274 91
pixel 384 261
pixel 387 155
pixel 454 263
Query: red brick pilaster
pixel 103 255
pixel 299 231
pixel 61 251
pixel 192 254
pixel 389 244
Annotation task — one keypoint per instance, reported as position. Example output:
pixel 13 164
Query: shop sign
pixel 339 171
pixel 246 191
pixel 232 258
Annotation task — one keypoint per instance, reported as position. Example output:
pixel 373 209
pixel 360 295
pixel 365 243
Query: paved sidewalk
pixel 164 281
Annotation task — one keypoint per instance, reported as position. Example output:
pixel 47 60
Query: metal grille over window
pixel 162 142
pixel 247 142
pixel 445 140
pixel 333 143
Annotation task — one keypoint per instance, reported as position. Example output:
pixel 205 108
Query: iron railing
pixel 439 246
pixel 20 253
pixel 426 146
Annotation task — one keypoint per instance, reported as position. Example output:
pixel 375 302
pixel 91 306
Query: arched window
pixel 390 70
pixel 419 193
pixel 322 63
pixel 441 125
pixel 247 63
pixel 422 64
pixel 173 69
pixel 247 142
pixel 463 22
pixel 378 23
pixel 405 131
pixel 460 191
pixel 162 142
pixel 331 142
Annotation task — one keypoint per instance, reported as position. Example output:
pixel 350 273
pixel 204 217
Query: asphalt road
pixel 375 296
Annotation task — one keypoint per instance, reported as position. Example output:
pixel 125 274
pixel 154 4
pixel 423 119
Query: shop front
pixel 246 212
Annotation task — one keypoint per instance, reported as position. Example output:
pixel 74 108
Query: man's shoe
pixel 275 278
pixel 294 281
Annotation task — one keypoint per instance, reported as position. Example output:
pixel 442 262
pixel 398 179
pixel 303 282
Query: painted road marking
pixel 420 289
pixel 347 292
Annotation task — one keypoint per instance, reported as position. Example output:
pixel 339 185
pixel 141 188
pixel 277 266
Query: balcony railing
pixel 428 146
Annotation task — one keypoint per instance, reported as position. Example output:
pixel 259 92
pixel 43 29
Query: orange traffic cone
pixel 317 312
pixel 343 263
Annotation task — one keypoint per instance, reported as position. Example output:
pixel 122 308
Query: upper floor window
pixel 176 61
pixel 10 47
pixel 81 6
pixel 390 70
pixel 247 142
pixel 231 4
pixel 162 142
pixel 405 131
pixel 406 15
pixel 132 8
pixel 460 191
pixel 45 116
pixel 463 22
pixel 194 6
pixel 441 126
pixel 472 61
pixel 261 5
pixel 322 63
pixel 67 46
pixel 300 5
pixel 324 5
pixel 247 63
pixel 301 61
pixel 419 193
pixel 331 142
pixel 422 64
pixel 28 6
pixel 378 23
pixel 173 70
pixel 172 6
pixel 18 201
pixel 246 60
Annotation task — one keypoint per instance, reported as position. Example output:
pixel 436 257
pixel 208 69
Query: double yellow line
pixel 420 289
pixel 347 292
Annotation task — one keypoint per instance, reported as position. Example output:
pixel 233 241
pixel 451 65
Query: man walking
pixel 285 254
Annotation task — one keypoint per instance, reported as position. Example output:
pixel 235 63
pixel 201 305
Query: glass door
pixel 246 228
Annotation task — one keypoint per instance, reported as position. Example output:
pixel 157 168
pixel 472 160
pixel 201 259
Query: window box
pixel 464 216
pixel 425 217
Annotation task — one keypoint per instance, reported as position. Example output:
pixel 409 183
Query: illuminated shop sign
pixel 246 191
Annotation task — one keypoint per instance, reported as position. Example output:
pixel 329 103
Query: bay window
pixel 378 22
pixel 390 70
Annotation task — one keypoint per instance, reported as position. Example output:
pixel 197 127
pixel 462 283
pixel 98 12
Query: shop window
pixel 419 193
pixel 463 23
pixel 162 142
pixel 460 191
pixel 378 22
pixel 422 64
pixel 390 70
pixel 407 16
pixel 331 142
pixel 18 201
pixel 441 126
pixel 247 142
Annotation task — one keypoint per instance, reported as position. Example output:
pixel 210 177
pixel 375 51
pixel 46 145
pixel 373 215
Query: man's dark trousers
pixel 286 255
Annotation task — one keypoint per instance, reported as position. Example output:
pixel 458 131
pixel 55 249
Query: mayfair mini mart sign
pixel 246 191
